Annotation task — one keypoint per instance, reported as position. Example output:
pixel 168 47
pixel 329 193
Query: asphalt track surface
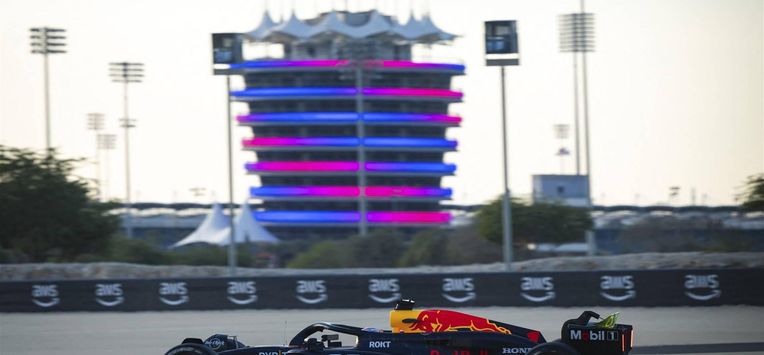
pixel 155 332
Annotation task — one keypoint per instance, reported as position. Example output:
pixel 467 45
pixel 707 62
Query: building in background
pixel 348 128
pixel 568 190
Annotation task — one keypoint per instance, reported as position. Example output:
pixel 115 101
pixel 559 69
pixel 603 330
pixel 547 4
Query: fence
pixel 580 288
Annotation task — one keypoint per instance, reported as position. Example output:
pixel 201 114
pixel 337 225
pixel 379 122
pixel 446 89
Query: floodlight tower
pixel 46 40
pixel 577 37
pixel 126 73
pixel 95 124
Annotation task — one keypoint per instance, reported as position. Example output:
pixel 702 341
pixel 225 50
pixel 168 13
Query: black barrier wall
pixel 606 288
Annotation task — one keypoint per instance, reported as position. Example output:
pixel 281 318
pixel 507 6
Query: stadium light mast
pixel 45 41
pixel 126 73
pixel 577 37
pixel 95 124
pixel 501 49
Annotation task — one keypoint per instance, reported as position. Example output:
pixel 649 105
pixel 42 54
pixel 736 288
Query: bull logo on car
pixel 610 285
pixel 242 292
pixel 537 289
pixel 708 282
pixel 439 320
pixel 464 287
pixel 45 296
pixel 311 291
pixel 173 293
pixel 109 295
pixel 385 286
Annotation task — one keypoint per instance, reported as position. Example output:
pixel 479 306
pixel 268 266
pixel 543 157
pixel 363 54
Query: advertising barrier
pixel 646 288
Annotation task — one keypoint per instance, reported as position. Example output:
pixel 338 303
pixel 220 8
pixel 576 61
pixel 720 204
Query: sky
pixel 676 93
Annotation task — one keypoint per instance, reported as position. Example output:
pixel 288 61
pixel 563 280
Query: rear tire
pixel 190 349
pixel 553 348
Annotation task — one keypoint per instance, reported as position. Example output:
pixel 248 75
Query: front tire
pixel 553 348
pixel 190 349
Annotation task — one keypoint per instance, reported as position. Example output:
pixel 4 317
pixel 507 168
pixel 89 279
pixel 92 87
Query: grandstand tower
pixel 347 129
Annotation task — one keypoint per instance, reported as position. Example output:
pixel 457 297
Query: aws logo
pixel 617 288
pixel 109 295
pixel 464 289
pixel 537 289
pixel 311 291
pixel 242 292
pixel 702 287
pixel 388 288
pixel 45 295
pixel 173 293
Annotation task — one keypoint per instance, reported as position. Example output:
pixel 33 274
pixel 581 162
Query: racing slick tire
pixel 190 349
pixel 553 348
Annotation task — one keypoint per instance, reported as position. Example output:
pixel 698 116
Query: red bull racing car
pixel 433 332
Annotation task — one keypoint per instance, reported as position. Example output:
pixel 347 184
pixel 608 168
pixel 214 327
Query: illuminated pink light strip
pixel 286 166
pixel 303 166
pixel 371 142
pixel 277 92
pixel 349 191
pixel 300 141
pixel 406 191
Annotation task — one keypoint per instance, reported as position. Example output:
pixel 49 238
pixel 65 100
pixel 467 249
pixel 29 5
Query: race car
pixel 433 332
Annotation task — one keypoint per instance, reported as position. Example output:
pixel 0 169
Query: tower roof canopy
pixel 266 24
pixel 350 25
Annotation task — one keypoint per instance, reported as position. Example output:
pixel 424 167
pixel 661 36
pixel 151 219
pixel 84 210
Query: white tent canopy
pixel 215 230
pixel 212 224
pixel 246 229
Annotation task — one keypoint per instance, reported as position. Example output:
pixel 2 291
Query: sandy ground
pixel 155 332
pixel 643 261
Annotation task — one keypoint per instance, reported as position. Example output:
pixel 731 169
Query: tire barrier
pixel 649 288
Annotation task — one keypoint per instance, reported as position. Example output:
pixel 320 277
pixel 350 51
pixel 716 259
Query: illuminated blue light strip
pixel 290 63
pixel 346 91
pixel 347 117
pixel 380 142
pixel 306 217
pixel 332 217
pixel 324 166
pixel 293 91
pixel 329 63
pixel 371 142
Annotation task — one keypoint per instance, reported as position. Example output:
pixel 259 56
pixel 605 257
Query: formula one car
pixel 433 332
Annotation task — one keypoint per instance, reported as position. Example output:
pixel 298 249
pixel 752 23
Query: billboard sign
pixel 226 48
